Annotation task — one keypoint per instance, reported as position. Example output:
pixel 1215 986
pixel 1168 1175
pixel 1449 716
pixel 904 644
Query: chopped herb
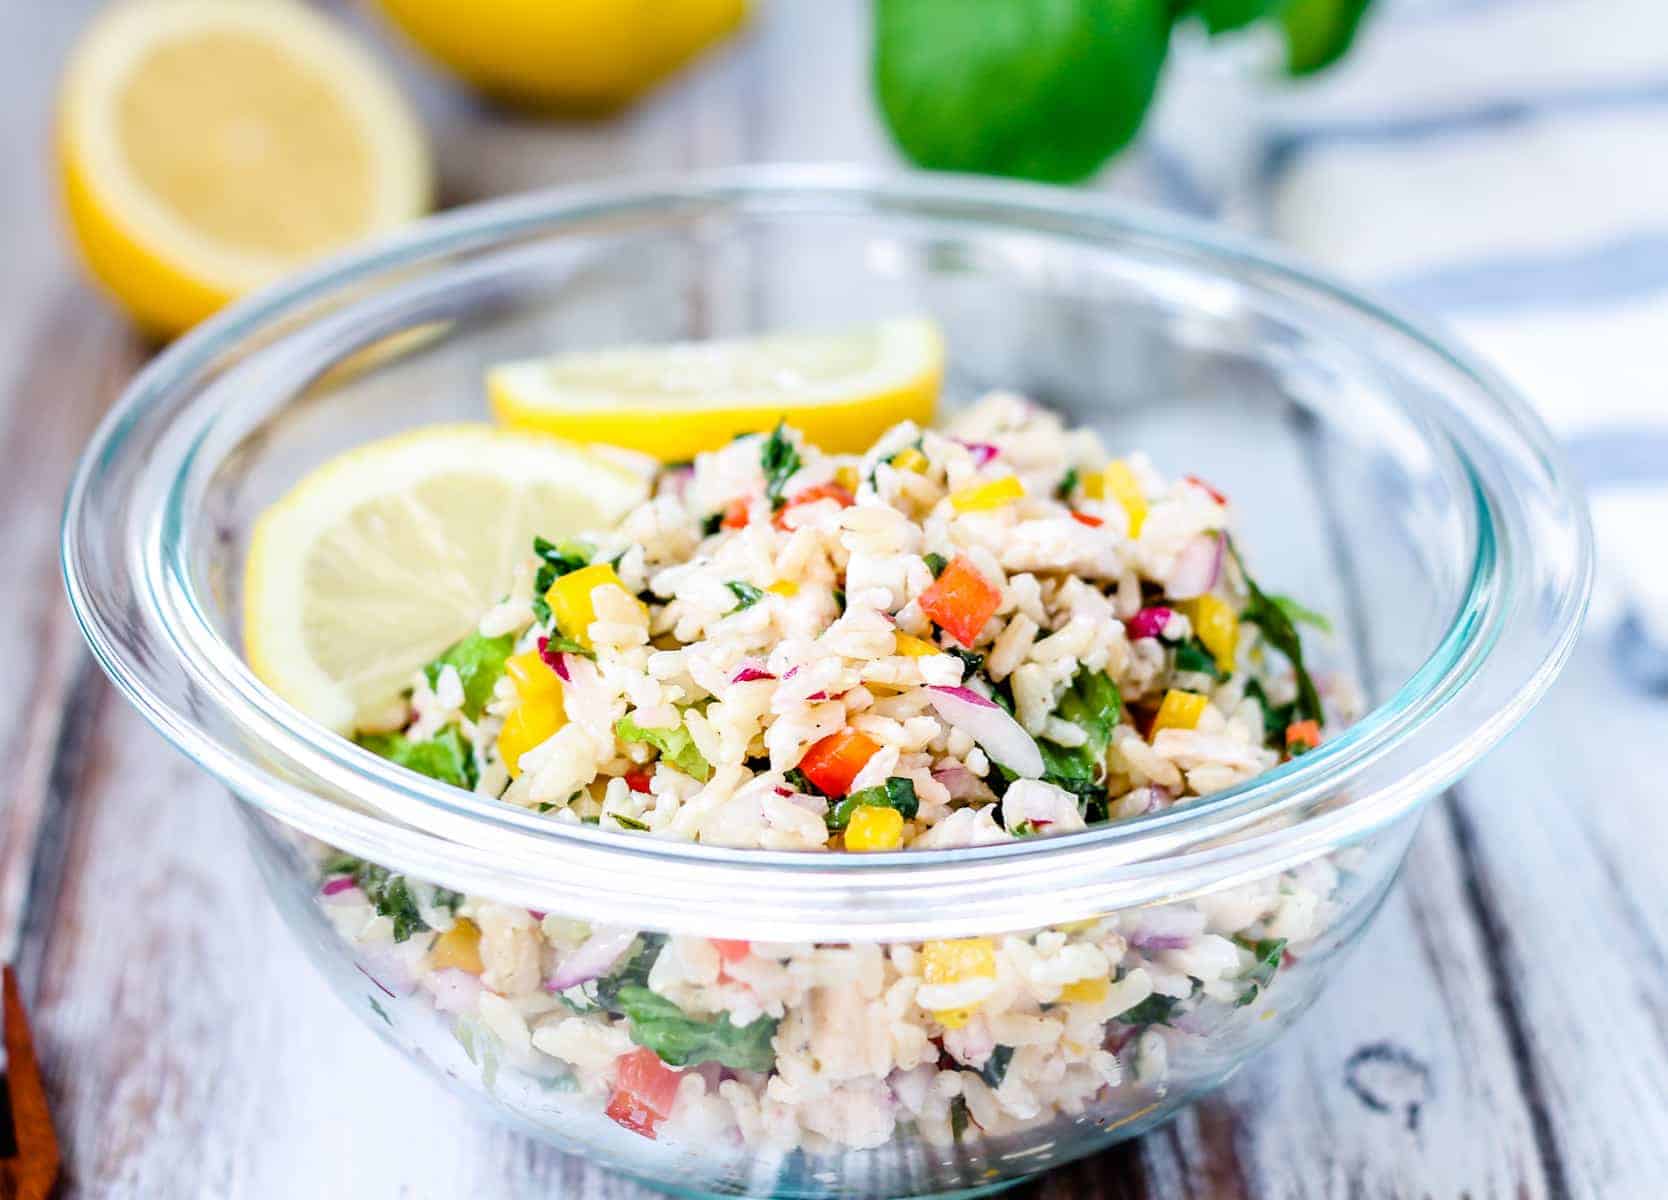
pixel 712 524
pixel 895 793
pixel 341 864
pixel 676 746
pixel 447 756
pixel 959 1117
pixel 632 969
pixel 479 661
pixel 1023 829
pixel 801 783
pixel 935 563
pixel 745 593
pixel 971 659
pixel 1191 655
pixel 545 806
pixel 1277 627
pixel 1299 615
pixel 560 643
pixel 685 1041
pixel 840 599
pixel 626 822
pixel 380 1011
pixel 779 460
pixel 556 559
pixel 1268 953
pixel 1067 485
pixel 393 898
pixel 996 1066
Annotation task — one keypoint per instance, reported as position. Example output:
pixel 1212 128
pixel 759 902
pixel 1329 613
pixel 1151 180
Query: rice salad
pixel 988 632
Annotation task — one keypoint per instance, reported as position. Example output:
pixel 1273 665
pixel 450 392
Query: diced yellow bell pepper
pixel 532 676
pixel 1180 710
pixel 983 497
pixel 459 948
pixel 959 960
pixel 1217 626
pixel 1119 482
pixel 874 827
pixel 530 723
pixel 954 1018
pixel 913 647
pixel 910 460
pixel 571 603
pixel 784 587
pixel 1085 991
pixel 847 478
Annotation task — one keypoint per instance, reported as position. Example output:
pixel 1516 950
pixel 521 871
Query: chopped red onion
pixel 1160 941
pixel 999 735
pixel 749 673
pixel 1197 567
pixel 339 884
pixel 594 958
pixel 982 452
pixel 1149 622
pixel 957 780
pixel 554 659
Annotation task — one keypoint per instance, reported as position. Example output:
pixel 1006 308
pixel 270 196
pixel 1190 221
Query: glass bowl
pixel 1118 973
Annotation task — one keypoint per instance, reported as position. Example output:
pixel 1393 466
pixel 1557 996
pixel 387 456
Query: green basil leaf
pixel 676 746
pixel 479 661
pixel 1041 89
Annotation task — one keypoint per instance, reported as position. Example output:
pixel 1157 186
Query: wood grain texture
pixel 1501 1032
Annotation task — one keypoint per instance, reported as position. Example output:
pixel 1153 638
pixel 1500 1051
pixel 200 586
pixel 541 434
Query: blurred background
pixel 1498 167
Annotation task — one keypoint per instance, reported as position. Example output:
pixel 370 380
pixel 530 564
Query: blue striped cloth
pixel 1502 165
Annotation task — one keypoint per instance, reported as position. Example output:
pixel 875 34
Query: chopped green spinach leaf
pixel 1297 614
pixel 1191 655
pixel 896 792
pixel 1277 627
pixel 447 756
pixel 935 563
pixel 479 661
pixel 1154 1010
pixel 676 746
pixel 685 1041
pixel 1067 485
pixel 1268 953
pixel 996 1066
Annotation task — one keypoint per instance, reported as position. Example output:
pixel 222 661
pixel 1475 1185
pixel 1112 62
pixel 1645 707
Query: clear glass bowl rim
pixel 481 845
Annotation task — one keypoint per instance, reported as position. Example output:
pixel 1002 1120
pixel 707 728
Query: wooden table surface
pixel 1503 1031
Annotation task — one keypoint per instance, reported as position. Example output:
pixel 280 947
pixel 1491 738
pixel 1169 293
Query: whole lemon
pixel 564 54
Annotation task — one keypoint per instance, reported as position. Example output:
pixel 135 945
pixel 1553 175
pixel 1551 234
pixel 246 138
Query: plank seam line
pixel 1480 903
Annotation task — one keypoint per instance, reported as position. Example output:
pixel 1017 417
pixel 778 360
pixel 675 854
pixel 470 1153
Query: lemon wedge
pixel 573 54
pixel 206 148
pixel 381 558
pixel 675 401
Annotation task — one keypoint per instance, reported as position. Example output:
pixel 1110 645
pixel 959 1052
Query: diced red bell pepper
pixel 731 949
pixel 960 601
pixel 735 515
pixel 637 779
pixel 645 1089
pixel 1089 519
pixel 1200 483
pixel 833 763
pixel 1301 737
pixel 822 491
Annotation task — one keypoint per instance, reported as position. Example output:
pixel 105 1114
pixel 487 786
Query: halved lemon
pixel 674 401
pixel 205 148
pixel 381 558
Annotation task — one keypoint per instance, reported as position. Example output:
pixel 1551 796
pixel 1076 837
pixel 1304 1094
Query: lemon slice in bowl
pixel 205 148
pixel 381 558
pixel 675 401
